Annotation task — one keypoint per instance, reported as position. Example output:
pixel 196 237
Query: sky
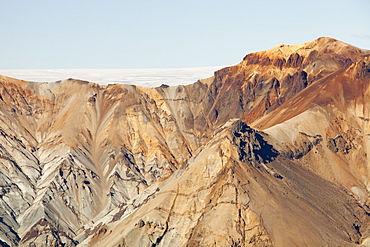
pixel 112 34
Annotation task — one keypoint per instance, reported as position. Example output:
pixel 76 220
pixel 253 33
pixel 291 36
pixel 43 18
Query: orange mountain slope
pixel 270 152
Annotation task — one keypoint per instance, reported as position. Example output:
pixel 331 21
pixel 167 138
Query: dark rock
pixel 339 144
pixel 253 149
pixel 365 70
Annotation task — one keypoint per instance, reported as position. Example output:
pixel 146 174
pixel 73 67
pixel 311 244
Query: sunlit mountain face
pixel 272 151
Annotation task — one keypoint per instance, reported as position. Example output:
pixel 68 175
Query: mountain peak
pixel 308 49
pixel 276 144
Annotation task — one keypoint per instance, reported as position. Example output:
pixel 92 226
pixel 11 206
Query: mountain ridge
pixel 287 126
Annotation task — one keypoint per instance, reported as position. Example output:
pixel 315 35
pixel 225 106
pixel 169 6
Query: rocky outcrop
pixel 338 144
pixel 278 143
pixel 365 70
pixel 252 148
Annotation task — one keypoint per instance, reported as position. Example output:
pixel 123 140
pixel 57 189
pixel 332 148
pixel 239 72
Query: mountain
pixel 270 152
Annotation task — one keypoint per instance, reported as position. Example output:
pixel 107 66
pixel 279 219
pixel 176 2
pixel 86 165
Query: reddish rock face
pixel 265 80
pixel 276 144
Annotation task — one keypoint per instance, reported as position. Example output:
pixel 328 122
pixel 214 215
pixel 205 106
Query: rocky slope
pixel 269 152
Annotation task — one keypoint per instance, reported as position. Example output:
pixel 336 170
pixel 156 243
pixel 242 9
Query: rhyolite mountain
pixel 274 151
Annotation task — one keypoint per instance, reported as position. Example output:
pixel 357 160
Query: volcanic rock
pixel 270 152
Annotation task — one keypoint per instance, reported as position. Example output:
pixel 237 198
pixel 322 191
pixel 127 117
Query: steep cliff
pixel 269 152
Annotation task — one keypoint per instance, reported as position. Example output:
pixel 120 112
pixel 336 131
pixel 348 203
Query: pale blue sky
pixel 44 34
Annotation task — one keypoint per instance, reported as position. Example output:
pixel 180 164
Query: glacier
pixel 139 77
